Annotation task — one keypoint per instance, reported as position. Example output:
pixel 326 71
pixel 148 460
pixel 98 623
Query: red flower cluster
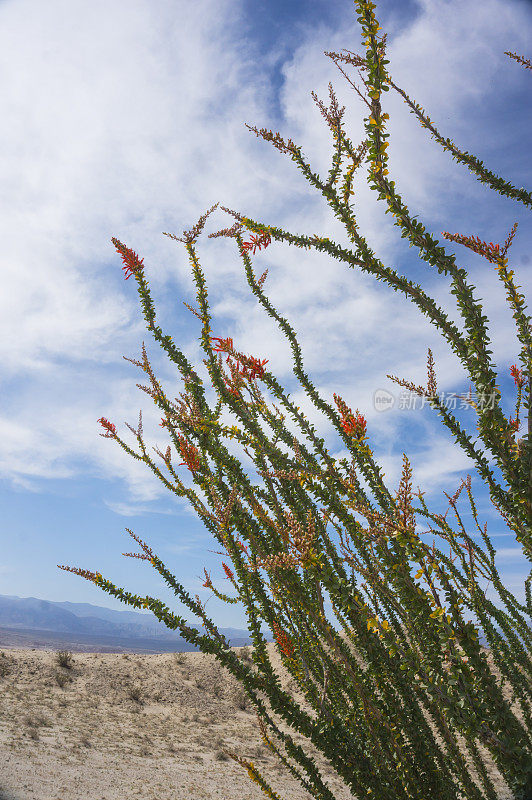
pixel 189 453
pixel 516 375
pixel 187 450
pixel 257 242
pixel 356 426
pixel 228 571
pixel 490 251
pixel 108 425
pixel 243 547
pixel 252 368
pixel 283 640
pixel 353 426
pixel 519 380
pixel 132 263
pixel 224 346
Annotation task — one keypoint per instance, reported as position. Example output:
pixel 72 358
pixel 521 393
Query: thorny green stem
pixel 405 653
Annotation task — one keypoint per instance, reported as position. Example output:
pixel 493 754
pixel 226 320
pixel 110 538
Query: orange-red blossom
pixel 257 242
pixel 352 425
pixel 283 640
pixel 516 375
pixel 519 381
pixel 252 368
pixel 132 263
pixel 108 425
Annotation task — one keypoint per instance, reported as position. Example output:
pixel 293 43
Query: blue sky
pixel 126 118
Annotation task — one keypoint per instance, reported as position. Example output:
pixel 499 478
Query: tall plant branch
pixel 421 658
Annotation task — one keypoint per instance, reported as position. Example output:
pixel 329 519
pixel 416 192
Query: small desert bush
pixel 217 689
pixel 5 665
pixel 62 678
pixel 135 693
pixel 180 658
pixel 221 756
pixel 64 659
pixel 36 720
pixel 241 700
pixel 245 654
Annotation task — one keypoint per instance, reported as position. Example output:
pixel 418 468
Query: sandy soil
pixel 121 726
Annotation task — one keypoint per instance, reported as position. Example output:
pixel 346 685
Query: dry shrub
pixel 64 659
pixel 62 679
pixel 135 693
pixel 5 665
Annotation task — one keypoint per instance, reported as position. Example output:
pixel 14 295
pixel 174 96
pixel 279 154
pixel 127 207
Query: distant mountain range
pixel 28 621
pixel 31 614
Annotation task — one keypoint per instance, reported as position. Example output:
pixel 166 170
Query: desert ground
pixel 121 726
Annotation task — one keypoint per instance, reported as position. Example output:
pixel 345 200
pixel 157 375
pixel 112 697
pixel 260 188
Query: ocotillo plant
pixel 420 656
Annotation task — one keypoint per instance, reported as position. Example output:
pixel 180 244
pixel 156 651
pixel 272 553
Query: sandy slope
pixel 124 726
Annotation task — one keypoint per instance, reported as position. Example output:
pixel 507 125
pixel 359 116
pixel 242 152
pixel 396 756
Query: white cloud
pixel 126 120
